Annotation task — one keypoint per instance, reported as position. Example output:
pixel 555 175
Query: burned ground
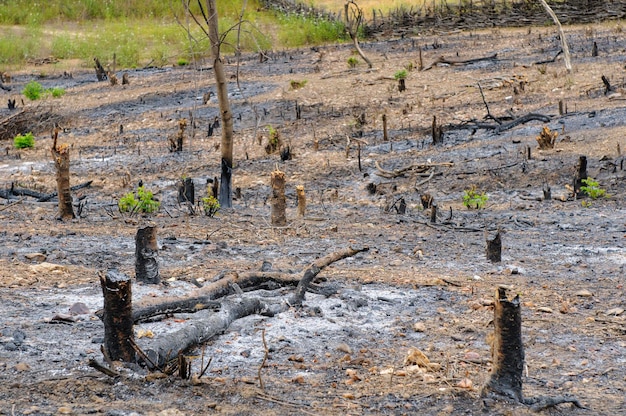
pixel 421 285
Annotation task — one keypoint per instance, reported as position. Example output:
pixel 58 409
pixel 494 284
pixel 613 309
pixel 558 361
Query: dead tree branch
pixel 454 62
pixel 353 15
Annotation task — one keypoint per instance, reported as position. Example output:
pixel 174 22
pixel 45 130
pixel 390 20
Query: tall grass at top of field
pixel 368 6
pixel 147 32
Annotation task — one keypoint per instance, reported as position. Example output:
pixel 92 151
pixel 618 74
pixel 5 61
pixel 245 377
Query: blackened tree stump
pixel 494 248
pixel 118 316
pixel 581 173
pixel 186 191
pixel 278 201
pixel 146 253
pixel 61 157
pixel 301 200
pixel 507 350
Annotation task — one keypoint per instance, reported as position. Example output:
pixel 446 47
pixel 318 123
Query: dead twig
pixel 261 385
pixel 11 204
pixel 419 167
pixel 105 370
pixel 442 60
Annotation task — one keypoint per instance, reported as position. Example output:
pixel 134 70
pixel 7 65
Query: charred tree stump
pixel 607 85
pixel 278 202
pixel 61 157
pixel 301 200
pixel 581 173
pixel 146 253
pixel 401 85
pixel 101 74
pixel 427 200
pixel 385 136
pixel 547 192
pixel 186 191
pixel 118 316
pixel 507 350
pixel 494 248
pixel 437 132
pixel 125 80
pixel 433 213
pixel 176 142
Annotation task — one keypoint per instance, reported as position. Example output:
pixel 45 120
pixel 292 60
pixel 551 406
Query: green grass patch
pixel 34 91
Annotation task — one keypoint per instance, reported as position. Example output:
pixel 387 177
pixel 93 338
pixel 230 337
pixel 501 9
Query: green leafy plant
pixel 143 202
pixel 56 92
pixel 353 62
pixel 296 85
pixel 182 62
pixel 24 141
pixel 473 199
pixel 33 90
pixel 592 189
pixel 211 205
pixel 400 74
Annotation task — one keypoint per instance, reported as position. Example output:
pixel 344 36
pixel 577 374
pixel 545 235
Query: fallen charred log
pixel 41 197
pixel 161 350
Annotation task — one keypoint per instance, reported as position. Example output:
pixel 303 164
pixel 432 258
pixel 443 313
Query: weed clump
pixel 592 189
pixel 34 91
pixel 25 141
pixel 143 202
pixel 211 205
pixel 473 199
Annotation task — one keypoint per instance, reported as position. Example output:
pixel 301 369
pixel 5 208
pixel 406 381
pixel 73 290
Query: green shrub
pixel 592 189
pixel 400 74
pixel 56 92
pixel 211 205
pixel 24 141
pixel 474 200
pixel 144 202
pixel 33 90
pixel 296 85
pixel 182 62
pixel 353 62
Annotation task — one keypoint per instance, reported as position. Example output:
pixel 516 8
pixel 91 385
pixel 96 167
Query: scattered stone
pixel 21 367
pixel 584 293
pixel 544 309
pixel 64 410
pixel 46 267
pixel 343 347
pixel 419 327
pixel 79 308
pixel 615 311
pixel 38 257
pixel 62 317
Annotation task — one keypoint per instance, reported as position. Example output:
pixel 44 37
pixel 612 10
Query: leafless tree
pixel 353 16
pixel 208 22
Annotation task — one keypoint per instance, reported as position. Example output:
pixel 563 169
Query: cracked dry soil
pixel 421 286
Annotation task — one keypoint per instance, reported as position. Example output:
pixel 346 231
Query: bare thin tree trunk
pixel 226 196
pixel 568 62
